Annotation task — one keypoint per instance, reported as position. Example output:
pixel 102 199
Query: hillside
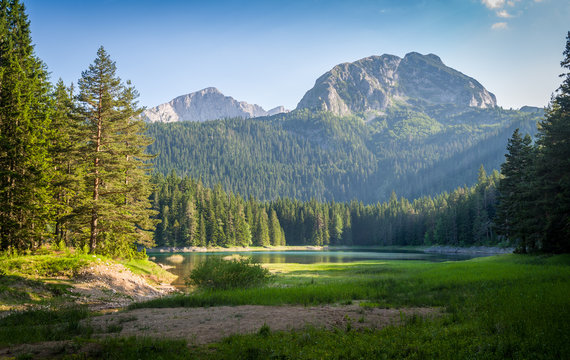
pixel 319 155
pixel 411 125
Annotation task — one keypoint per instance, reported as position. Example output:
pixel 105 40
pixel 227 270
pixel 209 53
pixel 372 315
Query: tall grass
pixel 44 325
pixel 504 307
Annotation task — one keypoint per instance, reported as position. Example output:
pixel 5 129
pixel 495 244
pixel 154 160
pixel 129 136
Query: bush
pixel 217 273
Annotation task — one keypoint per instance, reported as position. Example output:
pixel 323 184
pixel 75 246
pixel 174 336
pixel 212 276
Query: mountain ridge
pixel 203 105
pixel 376 83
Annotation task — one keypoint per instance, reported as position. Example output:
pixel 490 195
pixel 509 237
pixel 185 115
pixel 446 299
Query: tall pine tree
pixel 26 201
pixel 118 211
pixel 553 165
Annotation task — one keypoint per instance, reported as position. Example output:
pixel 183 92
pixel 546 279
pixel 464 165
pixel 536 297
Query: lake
pixel 184 264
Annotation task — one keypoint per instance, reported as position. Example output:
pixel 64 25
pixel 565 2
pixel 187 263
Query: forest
pixel 314 155
pixel 193 215
pixel 78 169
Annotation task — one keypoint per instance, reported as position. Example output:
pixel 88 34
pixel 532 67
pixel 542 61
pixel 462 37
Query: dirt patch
pixel 206 325
pixel 110 285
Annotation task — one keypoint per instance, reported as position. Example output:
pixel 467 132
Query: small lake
pixel 184 265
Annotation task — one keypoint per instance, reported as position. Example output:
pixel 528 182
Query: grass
pixel 44 325
pixel 509 306
pixel 388 283
pixel 151 271
pixel 44 266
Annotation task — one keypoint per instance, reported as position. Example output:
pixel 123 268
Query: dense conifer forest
pixel 305 155
pixel 193 215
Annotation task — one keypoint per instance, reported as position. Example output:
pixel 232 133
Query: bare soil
pixel 207 325
pixel 111 286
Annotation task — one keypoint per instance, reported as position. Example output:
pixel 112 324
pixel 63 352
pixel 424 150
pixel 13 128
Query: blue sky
pixel 271 52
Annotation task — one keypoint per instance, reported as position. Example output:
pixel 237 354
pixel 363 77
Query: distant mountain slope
pixel 376 83
pixel 380 124
pixel 306 154
pixel 206 104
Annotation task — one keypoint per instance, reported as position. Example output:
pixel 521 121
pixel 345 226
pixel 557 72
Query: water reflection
pixel 190 260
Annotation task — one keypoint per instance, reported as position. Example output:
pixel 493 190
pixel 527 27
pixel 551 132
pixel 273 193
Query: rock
pixel 376 83
pixel 203 105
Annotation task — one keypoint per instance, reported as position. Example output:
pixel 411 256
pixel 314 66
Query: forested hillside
pixel 194 215
pixel 302 155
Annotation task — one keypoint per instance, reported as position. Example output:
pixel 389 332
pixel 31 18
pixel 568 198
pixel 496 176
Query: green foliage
pixel 305 155
pixel 140 348
pixel 218 273
pixel 460 218
pixel 25 164
pixel 535 193
pixel 491 305
pixel 44 325
pixel 44 265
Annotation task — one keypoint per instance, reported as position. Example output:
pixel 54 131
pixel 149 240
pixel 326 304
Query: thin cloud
pixel 499 26
pixel 504 14
pixel 493 4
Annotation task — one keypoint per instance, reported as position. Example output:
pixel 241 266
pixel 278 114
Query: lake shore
pixel 190 249
pixel 490 250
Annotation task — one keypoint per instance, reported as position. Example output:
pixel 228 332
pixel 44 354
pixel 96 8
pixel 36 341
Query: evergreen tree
pixel 118 211
pixel 191 223
pixel 26 200
pixel 514 190
pixel 275 231
pixel 67 163
pixel 261 234
pixel 553 165
pixel 243 232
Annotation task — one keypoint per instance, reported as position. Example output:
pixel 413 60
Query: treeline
pixel 194 215
pixel 534 208
pixel 304 155
pixel 73 167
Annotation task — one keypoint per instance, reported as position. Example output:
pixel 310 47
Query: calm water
pixel 182 269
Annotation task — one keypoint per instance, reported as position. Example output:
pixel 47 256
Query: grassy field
pixel 509 306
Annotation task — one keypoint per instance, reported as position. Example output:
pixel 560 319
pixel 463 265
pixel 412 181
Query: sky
pixel 271 52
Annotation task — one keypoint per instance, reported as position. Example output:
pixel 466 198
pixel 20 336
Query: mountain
pixel 381 124
pixel 203 105
pixel 376 83
pixel 305 154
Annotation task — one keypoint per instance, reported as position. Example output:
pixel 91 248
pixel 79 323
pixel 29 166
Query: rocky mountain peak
pixel 376 83
pixel 206 104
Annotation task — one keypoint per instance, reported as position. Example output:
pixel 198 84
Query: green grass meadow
pixel 508 306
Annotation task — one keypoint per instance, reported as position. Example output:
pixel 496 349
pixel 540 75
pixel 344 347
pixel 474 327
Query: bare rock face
pixel 203 105
pixel 376 83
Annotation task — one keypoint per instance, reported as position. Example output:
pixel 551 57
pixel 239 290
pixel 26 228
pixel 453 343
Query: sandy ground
pixel 110 286
pixel 207 325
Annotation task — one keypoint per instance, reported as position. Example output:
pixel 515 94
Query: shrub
pixel 217 273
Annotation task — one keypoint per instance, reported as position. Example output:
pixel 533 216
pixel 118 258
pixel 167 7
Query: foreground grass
pixel 499 307
pixel 509 306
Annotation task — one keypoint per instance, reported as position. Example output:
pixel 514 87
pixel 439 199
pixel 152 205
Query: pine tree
pixel 261 233
pixel 514 191
pixel 119 211
pixel 26 200
pixel 275 231
pixel 191 223
pixel 69 174
pixel 553 165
